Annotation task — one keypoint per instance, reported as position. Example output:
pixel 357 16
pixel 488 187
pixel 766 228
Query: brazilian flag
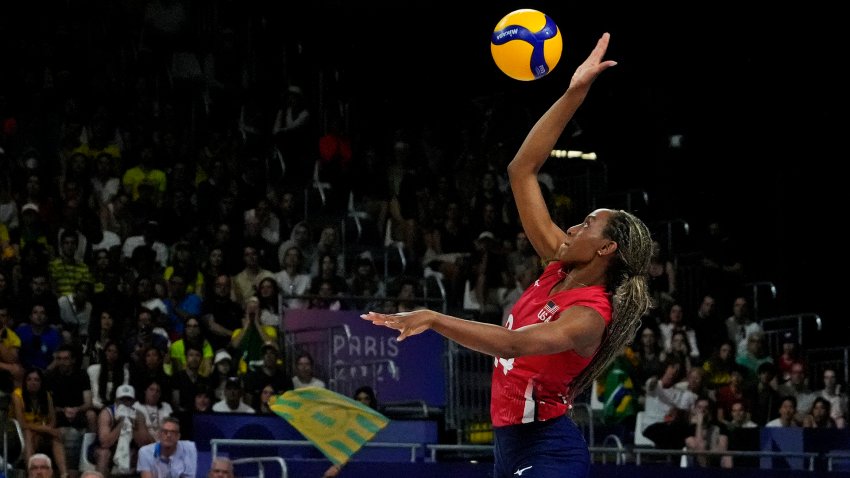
pixel 617 392
pixel 337 425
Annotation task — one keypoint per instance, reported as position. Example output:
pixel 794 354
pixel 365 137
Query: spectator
pixel 707 435
pixel 221 314
pixel 181 305
pixel 648 353
pixel 271 306
pixel 33 407
pixel 787 414
pixel 245 282
pixel 720 366
pixel 11 371
pixel 105 376
pixel 249 339
pixel 797 386
pixel 102 331
pixel 729 394
pixel 366 395
pixel 221 467
pixel 819 415
pixel 304 372
pixel 831 391
pixel 740 325
pixel 188 380
pixel 261 403
pixel 169 456
pixel 71 390
pixel 119 427
pixel 675 323
pixel 154 409
pixel 753 357
pixel 766 399
pixel 38 340
pixel 39 465
pixel 708 326
pixel 222 370
pixel 788 356
pixel 193 337
pixel 269 372
pixel 75 311
pixel 293 281
pixel 232 402
pixel 66 270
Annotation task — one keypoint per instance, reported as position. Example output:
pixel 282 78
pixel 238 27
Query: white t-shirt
pixel 315 382
pixel 222 407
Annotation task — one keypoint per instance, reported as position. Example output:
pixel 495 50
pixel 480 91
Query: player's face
pixel 585 240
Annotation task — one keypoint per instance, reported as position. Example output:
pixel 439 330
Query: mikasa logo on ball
pixel 508 33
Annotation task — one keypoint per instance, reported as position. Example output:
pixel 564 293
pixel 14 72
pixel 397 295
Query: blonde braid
pixel 627 281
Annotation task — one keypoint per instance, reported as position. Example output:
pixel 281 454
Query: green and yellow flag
pixel 337 425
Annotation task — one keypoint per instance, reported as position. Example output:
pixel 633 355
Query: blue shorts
pixel 550 449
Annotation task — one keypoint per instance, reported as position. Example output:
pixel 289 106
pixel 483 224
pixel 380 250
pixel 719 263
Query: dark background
pixel 756 91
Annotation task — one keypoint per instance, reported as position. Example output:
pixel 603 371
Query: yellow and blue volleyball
pixel 526 44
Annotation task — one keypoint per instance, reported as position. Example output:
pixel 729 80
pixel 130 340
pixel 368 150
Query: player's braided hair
pixel 626 279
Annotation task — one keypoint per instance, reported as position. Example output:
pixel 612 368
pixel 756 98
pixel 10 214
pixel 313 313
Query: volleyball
pixel 526 44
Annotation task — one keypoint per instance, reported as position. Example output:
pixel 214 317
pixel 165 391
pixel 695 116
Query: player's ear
pixel 608 248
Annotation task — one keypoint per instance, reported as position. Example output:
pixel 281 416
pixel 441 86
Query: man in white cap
pixel 117 425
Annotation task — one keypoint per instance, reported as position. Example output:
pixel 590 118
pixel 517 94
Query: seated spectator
pixel 38 340
pixel 293 281
pixel 119 428
pixel 675 323
pixel 221 314
pixel 668 407
pixel 707 436
pixel 304 372
pixel 102 331
pixel 730 394
pixel 269 372
pixel 798 387
pixel 248 340
pixel 154 409
pixel 271 303
pixel 765 398
pixel 193 336
pixel 11 370
pixel 366 395
pixel 753 357
pixel 789 355
pixel 819 415
pixel 71 390
pixel 232 402
pixel 831 391
pixel 680 351
pixel 32 406
pixel 150 368
pixel 648 353
pixel 222 370
pixel 787 414
pixel 720 366
pixel 261 403
pixel 740 325
pixel 105 376
pixel 75 311
pixel 188 380
pixel 169 455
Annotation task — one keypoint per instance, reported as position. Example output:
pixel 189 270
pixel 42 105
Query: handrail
pixel 262 469
pixel 215 442
pixel 638 451
pixel 435 448
pixel 832 455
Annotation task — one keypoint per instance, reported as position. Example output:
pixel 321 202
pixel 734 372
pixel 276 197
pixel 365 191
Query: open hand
pixel 407 323
pixel 587 72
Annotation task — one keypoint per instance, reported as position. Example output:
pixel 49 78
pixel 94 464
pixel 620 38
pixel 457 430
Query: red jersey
pixel 534 387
